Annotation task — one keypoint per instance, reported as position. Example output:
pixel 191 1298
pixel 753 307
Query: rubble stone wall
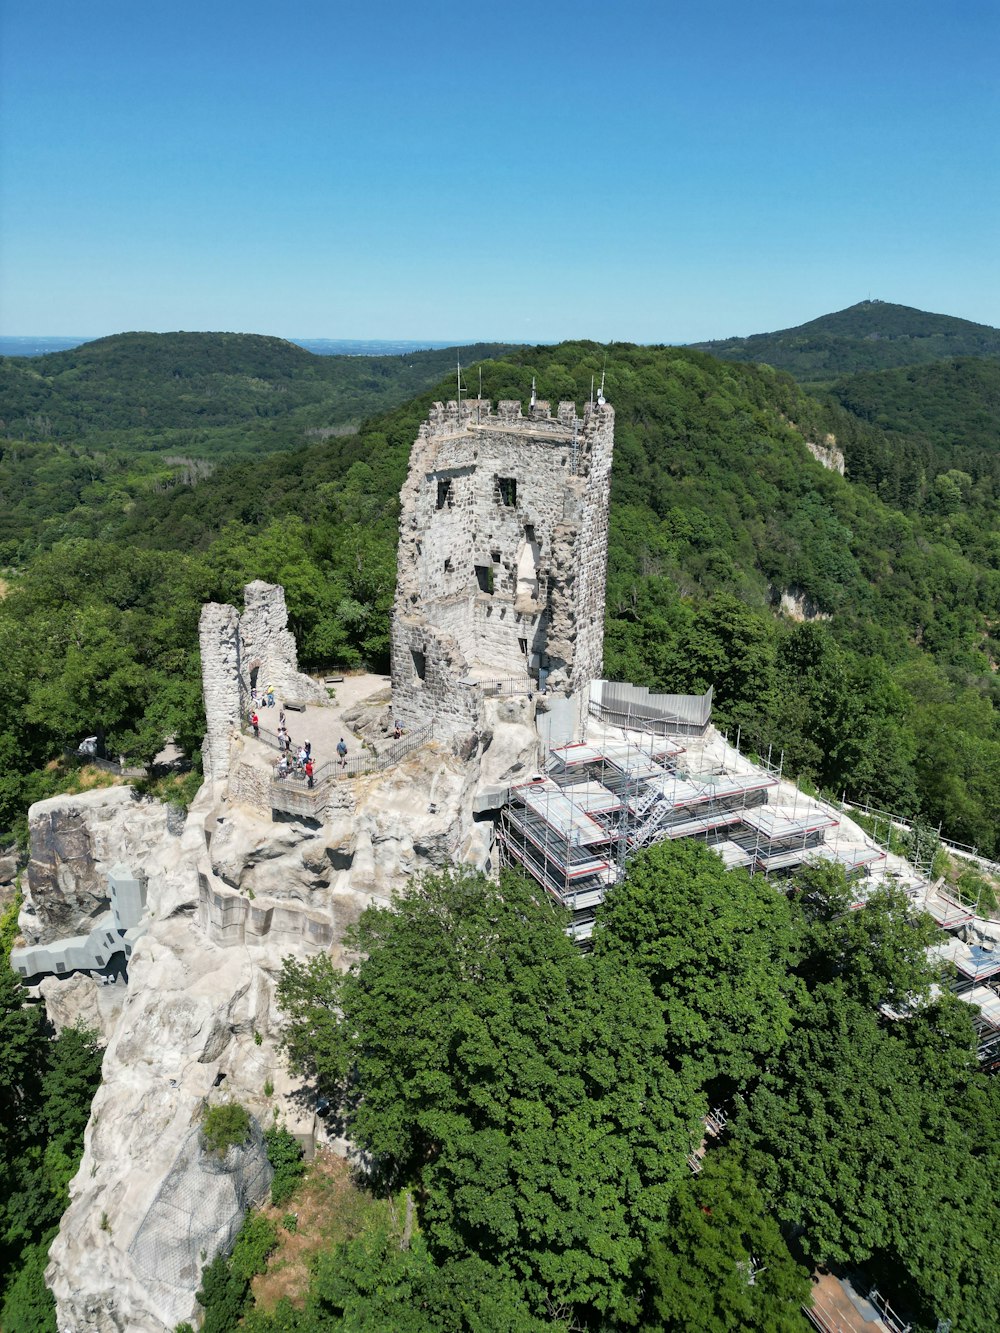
pixel 240 652
pixel 219 638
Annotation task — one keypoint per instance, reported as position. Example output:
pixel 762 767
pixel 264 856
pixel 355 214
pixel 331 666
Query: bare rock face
pixel 828 454
pixel 8 867
pixel 82 1001
pixel 75 840
pixel 229 898
pixel 199 1023
pixel 798 605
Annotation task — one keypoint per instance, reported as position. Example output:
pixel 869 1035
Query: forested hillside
pixel 871 335
pixel 205 394
pixel 940 442
pixel 717 509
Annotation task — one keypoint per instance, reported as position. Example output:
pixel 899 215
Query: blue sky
pixel 647 172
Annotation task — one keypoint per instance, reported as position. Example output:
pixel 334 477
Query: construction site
pixel 657 770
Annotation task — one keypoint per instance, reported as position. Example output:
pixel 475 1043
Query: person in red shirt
pixel 309 771
pixel 255 723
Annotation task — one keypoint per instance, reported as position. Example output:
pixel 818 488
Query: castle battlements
pixel 447 419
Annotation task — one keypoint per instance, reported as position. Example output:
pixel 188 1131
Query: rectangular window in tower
pixel 507 491
pixel 419 663
pixel 523 646
pixel 445 496
pixel 448 566
pixel 484 577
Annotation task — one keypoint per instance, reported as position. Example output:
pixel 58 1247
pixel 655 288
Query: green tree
pixel 225 1126
pixel 517 1083
pixel 718 947
pixel 721 1264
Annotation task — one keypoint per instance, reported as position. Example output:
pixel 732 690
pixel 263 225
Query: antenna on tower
pixel 458 381
pixel 532 391
pixel 591 393
pixel 600 394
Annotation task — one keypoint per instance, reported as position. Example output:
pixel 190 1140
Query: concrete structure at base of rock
pixel 502 563
pixel 107 946
pixel 243 652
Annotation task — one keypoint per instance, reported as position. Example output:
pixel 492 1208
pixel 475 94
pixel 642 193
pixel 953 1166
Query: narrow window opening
pixel 419 663
pixel 507 491
pixel 448 566
pixel 100 960
pixel 445 497
pixel 529 532
pixel 523 645
pixel 484 577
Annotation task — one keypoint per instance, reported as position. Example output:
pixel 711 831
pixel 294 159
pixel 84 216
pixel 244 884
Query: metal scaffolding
pixel 597 802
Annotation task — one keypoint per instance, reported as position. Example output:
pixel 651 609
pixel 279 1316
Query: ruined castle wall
pixel 591 563
pixel 219 637
pixel 501 559
pixel 238 652
pixel 268 645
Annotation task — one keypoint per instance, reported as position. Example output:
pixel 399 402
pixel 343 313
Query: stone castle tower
pixel 502 560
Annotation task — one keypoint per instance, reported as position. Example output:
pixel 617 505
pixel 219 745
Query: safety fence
pixel 293 793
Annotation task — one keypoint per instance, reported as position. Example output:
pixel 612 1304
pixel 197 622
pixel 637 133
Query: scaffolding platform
pixel 946 909
pixel 851 858
pixel 774 824
pixel 690 828
pixel 599 801
pixel 732 854
pixel 560 813
pixel 971 961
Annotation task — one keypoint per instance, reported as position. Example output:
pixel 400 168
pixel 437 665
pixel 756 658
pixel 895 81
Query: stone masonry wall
pixel 502 554
pixel 238 652
pixel 219 637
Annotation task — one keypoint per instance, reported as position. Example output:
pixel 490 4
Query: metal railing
pixel 500 685
pixel 293 790
pixel 106 765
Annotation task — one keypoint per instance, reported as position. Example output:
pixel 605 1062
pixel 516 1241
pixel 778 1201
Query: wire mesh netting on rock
pixel 199 1208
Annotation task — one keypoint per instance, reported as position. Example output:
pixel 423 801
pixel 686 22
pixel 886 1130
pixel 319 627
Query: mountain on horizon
pixel 872 335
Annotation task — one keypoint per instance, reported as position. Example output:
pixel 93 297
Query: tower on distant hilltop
pixel 502 561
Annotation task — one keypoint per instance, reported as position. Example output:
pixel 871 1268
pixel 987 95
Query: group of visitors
pixel 265 700
pixel 302 761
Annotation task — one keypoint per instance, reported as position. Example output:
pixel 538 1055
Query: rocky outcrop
pixel 83 1001
pixel 198 1025
pixel 75 841
pixel 199 1019
pixel 798 605
pixel 827 453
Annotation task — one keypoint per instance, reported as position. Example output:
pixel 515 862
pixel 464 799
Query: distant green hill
pixel 207 394
pixel 872 335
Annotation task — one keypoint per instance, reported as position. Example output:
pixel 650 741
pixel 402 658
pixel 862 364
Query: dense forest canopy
pixel 717 510
pixel 541 1105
